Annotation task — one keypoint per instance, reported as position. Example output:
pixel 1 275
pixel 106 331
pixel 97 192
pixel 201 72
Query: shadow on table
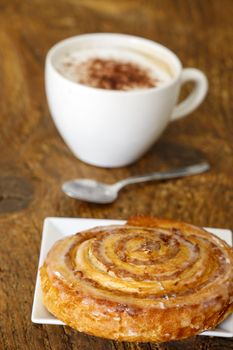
pixel 165 155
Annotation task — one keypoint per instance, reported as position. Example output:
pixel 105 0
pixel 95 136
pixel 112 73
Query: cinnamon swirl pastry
pixel 149 280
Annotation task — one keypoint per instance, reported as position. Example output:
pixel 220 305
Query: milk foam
pixel 68 63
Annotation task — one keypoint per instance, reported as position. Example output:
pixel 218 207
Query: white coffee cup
pixel 110 128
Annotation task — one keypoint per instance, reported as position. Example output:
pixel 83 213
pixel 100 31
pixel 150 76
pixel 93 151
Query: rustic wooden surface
pixel 34 160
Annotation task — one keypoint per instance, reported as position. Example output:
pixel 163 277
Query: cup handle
pixel 195 97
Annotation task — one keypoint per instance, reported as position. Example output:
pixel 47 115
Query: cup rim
pixel 62 43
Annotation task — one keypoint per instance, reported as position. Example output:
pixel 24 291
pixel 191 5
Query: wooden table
pixel 35 161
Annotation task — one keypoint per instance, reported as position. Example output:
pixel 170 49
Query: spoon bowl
pixel 90 191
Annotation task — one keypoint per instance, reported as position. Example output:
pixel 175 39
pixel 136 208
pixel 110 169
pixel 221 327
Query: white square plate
pixel 57 228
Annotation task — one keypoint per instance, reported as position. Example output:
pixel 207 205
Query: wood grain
pixel 35 161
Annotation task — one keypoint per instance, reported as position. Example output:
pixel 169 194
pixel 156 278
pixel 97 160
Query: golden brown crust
pixel 150 280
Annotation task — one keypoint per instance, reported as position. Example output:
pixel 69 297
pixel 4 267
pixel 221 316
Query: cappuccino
pixel 113 69
pixel 134 89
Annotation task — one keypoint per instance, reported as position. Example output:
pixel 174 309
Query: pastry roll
pixel 149 280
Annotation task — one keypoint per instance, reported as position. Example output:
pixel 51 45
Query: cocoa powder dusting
pixel 114 75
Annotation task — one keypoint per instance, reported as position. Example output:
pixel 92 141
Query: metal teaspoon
pixel 97 192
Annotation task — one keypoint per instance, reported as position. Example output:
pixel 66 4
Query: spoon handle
pixel 164 175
